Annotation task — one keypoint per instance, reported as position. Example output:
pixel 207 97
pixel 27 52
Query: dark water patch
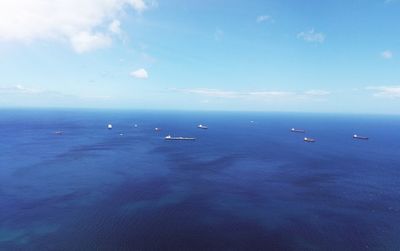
pixel 179 226
pixel 192 164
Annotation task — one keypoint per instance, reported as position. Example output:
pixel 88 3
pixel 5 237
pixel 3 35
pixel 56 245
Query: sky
pixel 340 56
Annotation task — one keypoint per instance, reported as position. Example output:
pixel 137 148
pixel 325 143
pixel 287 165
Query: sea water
pixel 246 183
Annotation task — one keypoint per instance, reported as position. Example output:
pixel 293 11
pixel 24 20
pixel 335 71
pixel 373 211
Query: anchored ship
pixel 311 140
pixel 169 137
pixel 297 130
pixel 355 136
pixel 202 126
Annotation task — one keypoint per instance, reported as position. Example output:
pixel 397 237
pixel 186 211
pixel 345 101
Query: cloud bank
pixel 18 89
pixel 385 91
pixel 81 23
pixel 216 93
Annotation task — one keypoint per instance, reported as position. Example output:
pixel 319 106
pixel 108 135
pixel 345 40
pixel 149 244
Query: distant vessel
pixel 109 126
pixel 135 125
pixel 311 140
pixel 58 132
pixel 157 129
pixel 355 136
pixel 297 130
pixel 202 126
pixel 169 137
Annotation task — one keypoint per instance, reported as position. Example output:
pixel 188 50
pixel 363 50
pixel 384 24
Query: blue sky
pixel 278 55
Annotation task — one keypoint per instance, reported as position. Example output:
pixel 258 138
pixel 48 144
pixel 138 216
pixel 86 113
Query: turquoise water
pixel 239 186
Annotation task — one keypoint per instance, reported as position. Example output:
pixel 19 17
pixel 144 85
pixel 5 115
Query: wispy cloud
pixel 270 95
pixel 148 58
pixel 264 18
pixel 18 89
pixel 387 54
pixel 210 92
pixel 85 24
pixel 312 36
pixel 218 34
pixel 385 91
pixel 317 93
pixel 140 73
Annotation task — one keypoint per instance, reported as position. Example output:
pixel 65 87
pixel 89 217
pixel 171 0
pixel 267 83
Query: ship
pixel 169 137
pixel 157 129
pixel 311 140
pixel 355 136
pixel 297 130
pixel 202 126
pixel 109 126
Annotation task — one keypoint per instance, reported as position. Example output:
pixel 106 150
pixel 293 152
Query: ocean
pixel 246 183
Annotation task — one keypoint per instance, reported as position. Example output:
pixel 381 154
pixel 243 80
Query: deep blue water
pixel 239 186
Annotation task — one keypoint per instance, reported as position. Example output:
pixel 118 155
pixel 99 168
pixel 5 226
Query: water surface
pixel 239 186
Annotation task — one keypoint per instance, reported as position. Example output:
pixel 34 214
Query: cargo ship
pixel 297 130
pixel 311 140
pixel 202 126
pixel 169 137
pixel 355 136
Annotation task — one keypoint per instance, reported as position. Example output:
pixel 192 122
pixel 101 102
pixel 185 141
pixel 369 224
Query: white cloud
pixel 138 5
pixel 385 91
pixel 84 41
pixel 387 54
pixel 140 73
pixel 82 23
pixel 115 27
pixel 264 18
pixel 312 36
